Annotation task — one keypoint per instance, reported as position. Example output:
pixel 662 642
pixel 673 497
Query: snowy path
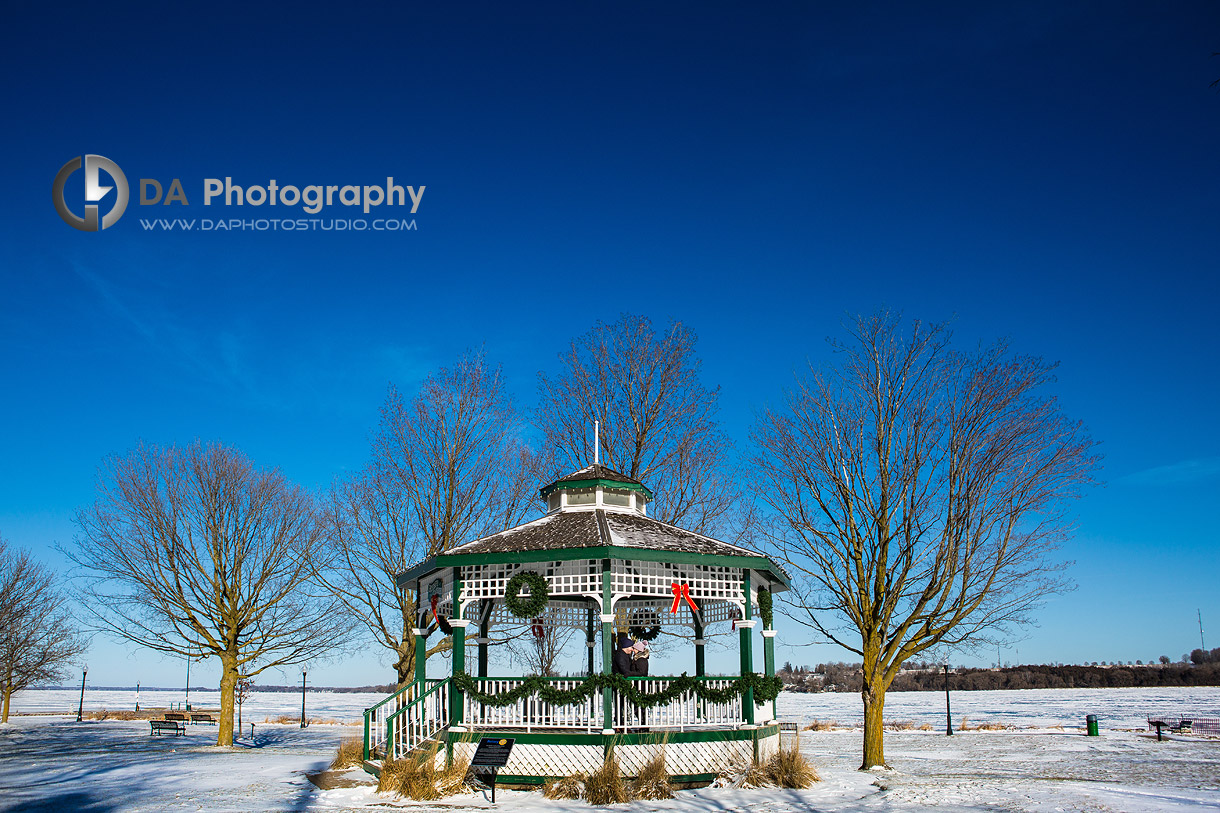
pixel 54 763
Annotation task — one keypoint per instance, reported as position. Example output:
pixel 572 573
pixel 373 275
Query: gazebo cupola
pixel 595 487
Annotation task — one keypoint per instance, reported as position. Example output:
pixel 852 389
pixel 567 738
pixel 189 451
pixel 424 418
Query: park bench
pixel 162 726
pixel 177 717
pixel 203 718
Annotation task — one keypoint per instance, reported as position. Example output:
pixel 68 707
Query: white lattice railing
pixel 406 719
pixel 533 712
pixel 684 711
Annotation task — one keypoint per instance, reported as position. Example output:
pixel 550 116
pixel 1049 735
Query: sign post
pixel 492 754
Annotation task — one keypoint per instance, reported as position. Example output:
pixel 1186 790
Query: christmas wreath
pixel 532 606
pixel 639 631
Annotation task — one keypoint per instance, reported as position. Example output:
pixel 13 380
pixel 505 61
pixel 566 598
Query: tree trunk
pixel 8 692
pixel 405 665
pixel 874 741
pixel 228 682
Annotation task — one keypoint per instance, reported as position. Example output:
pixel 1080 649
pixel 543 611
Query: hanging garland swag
pixel 765 689
pixel 532 606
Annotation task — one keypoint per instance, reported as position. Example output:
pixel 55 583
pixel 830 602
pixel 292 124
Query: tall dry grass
pixel 417 777
pixel 606 785
pixel 653 779
pixel 350 754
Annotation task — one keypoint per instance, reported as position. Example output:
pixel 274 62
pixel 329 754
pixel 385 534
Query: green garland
pixel 765 689
pixel 764 607
pixel 535 604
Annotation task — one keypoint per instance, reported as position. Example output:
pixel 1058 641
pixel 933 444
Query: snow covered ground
pixel 54 763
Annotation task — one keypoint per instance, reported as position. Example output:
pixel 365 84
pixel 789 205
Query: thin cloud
pixel 1184 471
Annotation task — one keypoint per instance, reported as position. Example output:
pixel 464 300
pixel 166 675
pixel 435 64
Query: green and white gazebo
pixel 605 565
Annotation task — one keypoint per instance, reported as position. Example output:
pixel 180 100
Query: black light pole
pixel 137 695
pixel 80 710
pixel 948 716
pixel 302 697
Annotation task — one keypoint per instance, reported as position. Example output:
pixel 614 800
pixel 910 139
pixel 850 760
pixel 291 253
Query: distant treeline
pixel 843 677
pixel 388 688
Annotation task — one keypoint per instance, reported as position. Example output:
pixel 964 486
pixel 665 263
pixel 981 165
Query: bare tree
pixel 920 495
pixel 541 647
pixel 193 551
pixel 38 634
pixel 448 466
pixel 658 420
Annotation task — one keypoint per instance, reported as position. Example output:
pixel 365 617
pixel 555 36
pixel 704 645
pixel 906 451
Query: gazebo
pixel 604 564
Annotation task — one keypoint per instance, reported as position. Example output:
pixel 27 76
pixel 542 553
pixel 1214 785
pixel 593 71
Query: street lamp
pixel 80 710
pixel 948 716
pixel 302 697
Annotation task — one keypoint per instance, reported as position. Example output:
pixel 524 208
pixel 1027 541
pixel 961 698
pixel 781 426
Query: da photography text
pixel 102 209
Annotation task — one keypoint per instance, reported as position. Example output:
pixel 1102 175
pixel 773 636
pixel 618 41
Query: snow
pixel 54 763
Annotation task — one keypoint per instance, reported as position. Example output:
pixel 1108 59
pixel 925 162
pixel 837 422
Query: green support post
pixel 768 635
pixel 484 633
pixel 607 647
pixel 459 661
pixel 745 627
pixel 590 638
pixel 700 668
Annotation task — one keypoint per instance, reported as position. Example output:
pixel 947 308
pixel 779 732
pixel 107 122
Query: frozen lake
pixel 1042 708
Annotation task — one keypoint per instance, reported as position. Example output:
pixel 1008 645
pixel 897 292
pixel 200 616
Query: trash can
pixel 1090 723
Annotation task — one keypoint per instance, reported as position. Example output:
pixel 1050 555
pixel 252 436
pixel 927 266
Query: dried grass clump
pixel 788 768
pixel 418 778
pixel 100 714
pixel 351 753
pixel 606 786
pixel 283 719
pixel 653 779
pixel 900 725
pixel 742 773
pixel 569 787
pixel 926 727
pixel 822 725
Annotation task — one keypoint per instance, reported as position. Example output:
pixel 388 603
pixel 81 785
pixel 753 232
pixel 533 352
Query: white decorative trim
pixel 418 632
pixel 747 625
pixel 768 633
pixel 461 623
pixel 457 728
pixel 590 644
pixel 607 731
pixel 607 618
pixel 481 641
pixel 699 642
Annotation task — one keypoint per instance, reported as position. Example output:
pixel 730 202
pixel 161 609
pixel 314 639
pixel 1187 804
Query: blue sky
pixel 1045 172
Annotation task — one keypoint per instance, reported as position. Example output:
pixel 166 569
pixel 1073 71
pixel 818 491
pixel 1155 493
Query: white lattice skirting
pixel 540 760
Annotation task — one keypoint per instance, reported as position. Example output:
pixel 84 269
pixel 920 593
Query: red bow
pixel 682 591
pixel 435 599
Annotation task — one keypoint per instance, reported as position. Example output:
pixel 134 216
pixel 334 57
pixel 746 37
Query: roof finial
pixel 596 440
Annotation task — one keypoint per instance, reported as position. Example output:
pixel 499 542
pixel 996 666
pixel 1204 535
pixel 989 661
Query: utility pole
pixel 1202 645
pixel 302 697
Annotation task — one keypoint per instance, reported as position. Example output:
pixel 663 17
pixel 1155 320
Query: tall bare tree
pixel 658 420
pixel 193 551
pixel 920 496
pixel 448 466
pixel 38 634
pixel 541 649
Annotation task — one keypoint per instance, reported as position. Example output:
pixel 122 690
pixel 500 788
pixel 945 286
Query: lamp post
pixel 948 716
pixel 80 710
pixel 137 695
pixel 302 697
